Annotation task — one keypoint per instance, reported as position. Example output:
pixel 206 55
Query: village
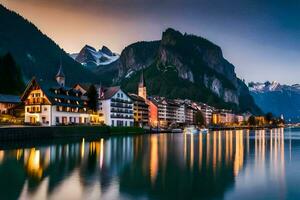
pixel 52 103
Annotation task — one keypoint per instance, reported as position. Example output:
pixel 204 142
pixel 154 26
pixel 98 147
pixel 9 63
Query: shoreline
pixel 59 132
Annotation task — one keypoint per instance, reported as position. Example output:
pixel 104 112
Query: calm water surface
pixel 218 165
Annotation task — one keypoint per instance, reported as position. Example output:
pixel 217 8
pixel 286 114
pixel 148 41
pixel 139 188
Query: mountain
pixel 35 53
pixel 277 98
pixel 185 66
pixel 91 58
pixel 178 65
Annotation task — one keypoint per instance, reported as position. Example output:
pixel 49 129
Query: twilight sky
pixel 260 37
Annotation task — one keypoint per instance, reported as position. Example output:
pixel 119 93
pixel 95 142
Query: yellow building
pixel 140 110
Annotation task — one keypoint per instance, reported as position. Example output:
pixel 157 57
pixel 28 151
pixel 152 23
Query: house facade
pixel 8 102
pixel 115 107
pixel 140 110
pixel 52 103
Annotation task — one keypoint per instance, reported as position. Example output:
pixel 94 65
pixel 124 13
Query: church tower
pixel 142 91
pixel 60 77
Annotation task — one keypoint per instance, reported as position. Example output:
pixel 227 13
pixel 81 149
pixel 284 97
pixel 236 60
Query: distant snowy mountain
pixel 277 98
pixel 91 58
pixel 272 87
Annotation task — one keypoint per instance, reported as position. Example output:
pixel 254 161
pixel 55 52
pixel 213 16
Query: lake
pixel 218 165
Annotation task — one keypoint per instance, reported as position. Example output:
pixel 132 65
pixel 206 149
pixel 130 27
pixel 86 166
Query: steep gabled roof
pixel 109 92
pixel 49 88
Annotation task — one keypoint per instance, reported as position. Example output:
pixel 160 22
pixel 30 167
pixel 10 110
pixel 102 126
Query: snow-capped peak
pixel 90 57
pixel 272 86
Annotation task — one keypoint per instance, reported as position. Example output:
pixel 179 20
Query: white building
pixel 52 103
pixel 207 112
pixel 115 106
pixel 180 113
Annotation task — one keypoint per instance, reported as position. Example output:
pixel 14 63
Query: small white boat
pixel 191 130
pixel 176 130
pixel 204 130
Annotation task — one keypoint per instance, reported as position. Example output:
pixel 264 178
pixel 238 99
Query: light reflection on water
pixel 222 164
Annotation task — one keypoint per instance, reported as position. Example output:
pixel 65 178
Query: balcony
pixel 114 110
pixel 121 116
pixel 121 105
pixel 35 101
pixel 117 100
pixel 33 111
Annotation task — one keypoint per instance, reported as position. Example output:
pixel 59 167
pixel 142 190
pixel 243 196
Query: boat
pixel 204 130
pixel 176 130
pixel 191 130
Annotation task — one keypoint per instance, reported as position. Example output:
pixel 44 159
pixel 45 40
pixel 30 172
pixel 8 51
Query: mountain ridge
pixel 91 58
pixel 193 61
pixel 280 99
pixel 35 53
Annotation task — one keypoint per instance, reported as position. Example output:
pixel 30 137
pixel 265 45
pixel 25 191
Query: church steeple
pixel 142 80
pixel 142 90
pixel 60 76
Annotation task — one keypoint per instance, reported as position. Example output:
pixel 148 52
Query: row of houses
pixel 51 103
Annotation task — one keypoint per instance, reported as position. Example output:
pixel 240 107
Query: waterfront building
pixel 222 117
pixel 167 111
pixel 207 112
pixel 115 106
pixel 186 112
pixel 8 102
pixel 52 103
pixel 190 112
pixel 153 113
pixel 181 113
pixel 140 110
pixel 239 118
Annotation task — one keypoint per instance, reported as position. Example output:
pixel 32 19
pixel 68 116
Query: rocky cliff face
pixel 137 56
pixel 192 59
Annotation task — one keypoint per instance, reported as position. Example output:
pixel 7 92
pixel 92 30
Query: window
pixel 112 123
pixel 44 120
pixel 118 95
pixel 45 109
pixel 57 120
pixel 28 110
pixel 121 95
pixel 70 119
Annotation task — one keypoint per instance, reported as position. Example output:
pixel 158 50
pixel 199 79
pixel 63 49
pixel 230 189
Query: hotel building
pixel 52 103
pixel 115 106
pixel 140 110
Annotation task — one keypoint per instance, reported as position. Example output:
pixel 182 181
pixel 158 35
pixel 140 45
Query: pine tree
pixel 92 95
pixel 11 79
